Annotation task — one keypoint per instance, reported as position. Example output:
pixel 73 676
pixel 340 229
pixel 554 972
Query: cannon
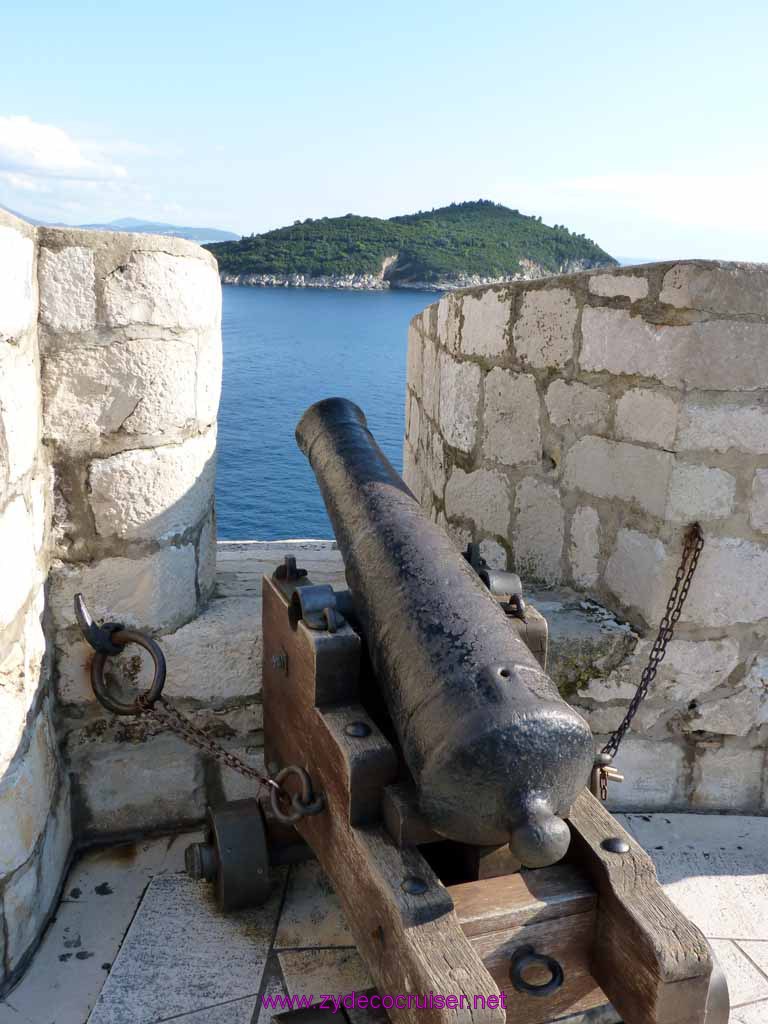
pixel 442 782
pixel 496 755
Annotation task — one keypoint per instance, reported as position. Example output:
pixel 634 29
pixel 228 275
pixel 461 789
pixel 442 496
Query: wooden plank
pixel 402 818
pixel 569 941
pixel 528 897
pixel 410 941
pixel 651 961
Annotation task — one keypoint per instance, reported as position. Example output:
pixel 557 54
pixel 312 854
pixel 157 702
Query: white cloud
pixel 35 150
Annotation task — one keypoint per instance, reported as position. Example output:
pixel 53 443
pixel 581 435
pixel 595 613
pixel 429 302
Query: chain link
pixel 171 718
pixel 603 782
pixel 692 548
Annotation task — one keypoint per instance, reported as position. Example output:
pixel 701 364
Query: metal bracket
pixel 98 635
pixel 316 607
pixel 507 587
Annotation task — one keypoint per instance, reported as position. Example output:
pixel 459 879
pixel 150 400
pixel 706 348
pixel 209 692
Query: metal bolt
pixel 357 729
pixel 414 885
pixel 615 844
pixel 201 861
pixel 279 662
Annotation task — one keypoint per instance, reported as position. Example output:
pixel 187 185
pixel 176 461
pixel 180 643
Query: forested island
pixel 456 246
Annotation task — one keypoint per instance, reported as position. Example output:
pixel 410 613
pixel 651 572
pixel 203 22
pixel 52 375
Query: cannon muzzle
pixel 496 754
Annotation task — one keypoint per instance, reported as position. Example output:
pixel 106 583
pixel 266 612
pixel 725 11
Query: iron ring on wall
pixel 121 637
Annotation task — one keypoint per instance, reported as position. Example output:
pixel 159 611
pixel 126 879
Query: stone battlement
pixel 574 426
pixel 571 425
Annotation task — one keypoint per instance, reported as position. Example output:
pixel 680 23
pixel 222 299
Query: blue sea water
pixel 285 348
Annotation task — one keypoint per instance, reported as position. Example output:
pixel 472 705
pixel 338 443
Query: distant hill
pixel 151 227
pixel 142 227
pixel 459 244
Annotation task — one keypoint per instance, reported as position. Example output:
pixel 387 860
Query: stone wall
pixel 575 426
pixel 110 372
pixel 35 831
pixel 131 370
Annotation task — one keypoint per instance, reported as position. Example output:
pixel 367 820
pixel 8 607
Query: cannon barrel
pixel 496 754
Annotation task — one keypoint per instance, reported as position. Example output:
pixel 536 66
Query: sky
pixel 640 124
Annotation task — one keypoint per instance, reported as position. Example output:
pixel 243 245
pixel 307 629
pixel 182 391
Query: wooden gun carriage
pixel 447 780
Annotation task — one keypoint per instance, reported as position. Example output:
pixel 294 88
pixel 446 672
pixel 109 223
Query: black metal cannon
pixel 496 754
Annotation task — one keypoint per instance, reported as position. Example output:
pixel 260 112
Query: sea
pixel 285 348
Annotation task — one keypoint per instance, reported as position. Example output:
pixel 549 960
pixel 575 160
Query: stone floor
pixel 137 942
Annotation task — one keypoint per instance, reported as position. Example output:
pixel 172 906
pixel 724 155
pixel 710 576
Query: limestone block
pixel 690 669
pixel 481 497
pixel 413 365
pixel 494 554
pixel 543 332
pixel 738 712
pixel 721 428
pixel 37 503
pixel 13 706
pixel 699 492
pixel 584 547
pixel 459 401
pixel 647 416
pixel 145 387
pixel 448 314
pixel 653 773
pixel 155 592
pixel 410 467
pixel 578 406
pixel 234 785
pixel 210 356
pixel 206 558
pixel 511 417
pixel 430 380
pixel 414 420
pixel 486 320
pixel 163 290
pixel 21 676
pixel 54 854
pixel 67 279
pixel 22 915
pixel 155 493
pixel 18 558
pixel 217 656
pixel 17 289
pixel 638 572
pixel 129 787
pixel 433 463
pixel 539 531
pixel 19 410
pixel 758 506
pixel 584 638
pixel 615 469
pixel 26 791
pixel 729 585
pixel 728 778
pixel 729 289
pixel 728 355
pixel 619 342
pixel 460 535
pixel 625 286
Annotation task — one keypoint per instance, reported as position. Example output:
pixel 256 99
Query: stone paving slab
pixel 183 960
pixel 311 909
pixel 99 899
pixel 182 955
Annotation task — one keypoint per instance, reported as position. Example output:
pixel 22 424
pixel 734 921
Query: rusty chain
pixel 301 804
pixel 108 639
pixel 171 718
pixel 692 548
